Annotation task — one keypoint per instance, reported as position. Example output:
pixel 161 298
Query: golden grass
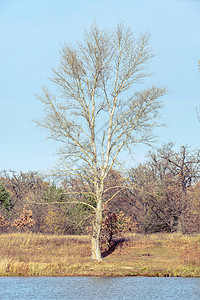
pixel 29 254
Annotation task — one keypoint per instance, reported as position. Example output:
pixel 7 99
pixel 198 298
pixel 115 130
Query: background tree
pixel 162 188
pixel 23 187
pixel 5 198
pixel 94 113
pixel 4 225
pixel 184 166
pixel 115 197
pixel 192 213
pixel 81 201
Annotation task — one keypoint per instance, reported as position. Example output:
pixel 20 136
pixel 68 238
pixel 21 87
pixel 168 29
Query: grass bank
pixel 151 255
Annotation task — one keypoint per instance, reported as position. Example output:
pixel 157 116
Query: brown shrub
pixel 115 224
pixel 25 221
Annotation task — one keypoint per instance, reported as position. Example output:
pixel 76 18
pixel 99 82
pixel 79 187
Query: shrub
pixel 115 224
pixel 25 221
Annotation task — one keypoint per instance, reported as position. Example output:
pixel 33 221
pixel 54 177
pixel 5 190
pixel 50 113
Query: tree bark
pixel 96 251
pixel 96 247
pixel 181 224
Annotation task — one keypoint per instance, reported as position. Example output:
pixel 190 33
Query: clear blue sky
pixel 33 31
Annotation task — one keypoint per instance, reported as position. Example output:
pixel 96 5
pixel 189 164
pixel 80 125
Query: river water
pixel 80 288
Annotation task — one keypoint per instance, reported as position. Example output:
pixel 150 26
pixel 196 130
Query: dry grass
pixel 49 255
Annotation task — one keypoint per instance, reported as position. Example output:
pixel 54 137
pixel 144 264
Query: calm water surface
pixel 80 288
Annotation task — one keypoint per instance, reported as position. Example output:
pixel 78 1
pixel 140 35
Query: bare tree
pixel 92 113
pixel 162 190
pixel 182 168
pixel 21 185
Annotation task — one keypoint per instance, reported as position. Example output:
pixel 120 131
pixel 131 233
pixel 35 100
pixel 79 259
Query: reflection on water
pixel 47 288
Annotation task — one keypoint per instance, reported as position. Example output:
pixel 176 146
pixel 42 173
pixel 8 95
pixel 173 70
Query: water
pixel 80 288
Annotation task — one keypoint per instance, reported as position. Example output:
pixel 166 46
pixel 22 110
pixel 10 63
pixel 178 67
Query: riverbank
pixel 150 255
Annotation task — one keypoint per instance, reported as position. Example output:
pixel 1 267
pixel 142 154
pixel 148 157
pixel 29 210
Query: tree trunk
pixel 96 250
pixel 181 224
pixel 181 219
pixel 172 224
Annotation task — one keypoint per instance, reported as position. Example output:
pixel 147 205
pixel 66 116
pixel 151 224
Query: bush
pixel 115 224
pixel 25 221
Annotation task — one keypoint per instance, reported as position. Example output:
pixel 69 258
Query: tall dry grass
pixel 27 254
pixel 31 254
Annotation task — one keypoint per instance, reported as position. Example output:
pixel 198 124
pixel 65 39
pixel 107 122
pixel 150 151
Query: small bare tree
pixel 94 113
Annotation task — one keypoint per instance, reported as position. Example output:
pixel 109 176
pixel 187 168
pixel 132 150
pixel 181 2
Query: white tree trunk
pixel 96 250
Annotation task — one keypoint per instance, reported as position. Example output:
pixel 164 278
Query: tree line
pixel 160 195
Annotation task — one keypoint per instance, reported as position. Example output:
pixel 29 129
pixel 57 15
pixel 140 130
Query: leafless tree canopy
pixel 95 111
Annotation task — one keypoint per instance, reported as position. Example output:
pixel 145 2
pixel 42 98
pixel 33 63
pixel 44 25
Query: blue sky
pixel 33 31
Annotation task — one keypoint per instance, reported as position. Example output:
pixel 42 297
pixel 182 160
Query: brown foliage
pixel 115 224
pixel 25 221
pixel 4 225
